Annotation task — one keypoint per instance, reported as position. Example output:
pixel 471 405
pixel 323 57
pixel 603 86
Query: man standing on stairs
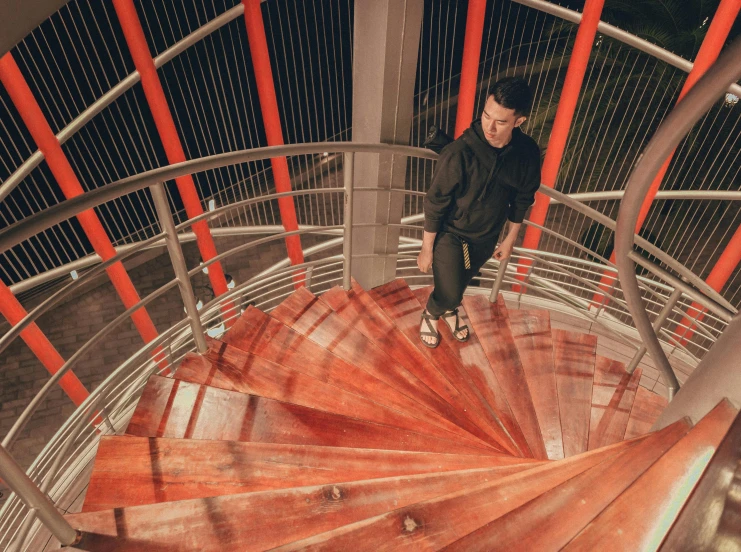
pixel 487 176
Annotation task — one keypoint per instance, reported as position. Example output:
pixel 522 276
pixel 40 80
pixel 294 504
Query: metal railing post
pixel 309 275
pixel 178 264
pixel 39 503
pixel 526 279
pixel 498 280
pixel 606 297
pixel 347 168
pixel 658 323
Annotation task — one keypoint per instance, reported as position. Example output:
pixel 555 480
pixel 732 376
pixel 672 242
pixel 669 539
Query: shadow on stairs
pixel 328 425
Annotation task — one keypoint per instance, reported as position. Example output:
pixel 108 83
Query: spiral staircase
pixel 327 424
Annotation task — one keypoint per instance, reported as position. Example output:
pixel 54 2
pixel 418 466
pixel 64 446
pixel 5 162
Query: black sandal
pixel 426 317
pixel 458 327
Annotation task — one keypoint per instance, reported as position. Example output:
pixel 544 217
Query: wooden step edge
pixel 552 519
pixel 448 364
pixel 662 489
pixel 496 338
pixel 613 394
pixel 435 523
pixel 276 517
pixel 171 408
pixel 263 378
pixel 446 396
pixel 131 471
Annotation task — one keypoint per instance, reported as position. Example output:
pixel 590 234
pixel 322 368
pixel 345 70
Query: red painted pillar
pixel 470 64
pixel 163 120
pixel 709 51
pixel 47 142
pixel 715 38
pixel 14 312
pixel 718 277
pixel 271 117
pixel 564 116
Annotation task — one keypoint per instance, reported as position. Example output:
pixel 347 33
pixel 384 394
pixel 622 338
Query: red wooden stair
pixel 328 425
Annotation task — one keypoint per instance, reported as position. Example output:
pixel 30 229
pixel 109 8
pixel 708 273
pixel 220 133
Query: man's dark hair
pixel 512 93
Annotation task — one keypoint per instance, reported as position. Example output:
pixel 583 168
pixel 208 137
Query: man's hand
pixel 504 251
pixel 424 260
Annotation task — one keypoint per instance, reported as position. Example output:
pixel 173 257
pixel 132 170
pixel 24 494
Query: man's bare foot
pixel 428 330
pixel 452 320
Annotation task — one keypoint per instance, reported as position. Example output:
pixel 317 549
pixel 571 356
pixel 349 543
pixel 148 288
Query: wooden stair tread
pixel 472 358
pixel 263 335
pixel 275 517
pixel 660 491
pixel 554 518
pixel 709 518
pixel 400 304
pixel 305 314
pixel 131 471
pixel 438 522
pixel 531 331
pixel 574 359
pixel 490 323
pixel 173 408
pixel 647 407
pixel 357 309
pixel 613 393
pixel 230 368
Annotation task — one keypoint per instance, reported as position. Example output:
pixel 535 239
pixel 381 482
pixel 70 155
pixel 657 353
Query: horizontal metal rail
pixel 695 195
pixel 34 224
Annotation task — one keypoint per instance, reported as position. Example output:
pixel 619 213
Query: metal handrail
pixel 677 124
pixel 34 224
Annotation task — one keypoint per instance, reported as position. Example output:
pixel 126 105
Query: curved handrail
pixel 676 125
pixel 38 222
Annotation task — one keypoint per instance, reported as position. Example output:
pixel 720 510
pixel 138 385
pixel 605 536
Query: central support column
pixel 385 49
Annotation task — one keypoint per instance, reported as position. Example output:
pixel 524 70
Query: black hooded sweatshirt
pixel 476 187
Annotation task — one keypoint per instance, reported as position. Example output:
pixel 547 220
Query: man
pixel 487 176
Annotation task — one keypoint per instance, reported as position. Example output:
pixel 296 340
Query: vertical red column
pixel 29 110
pixel 165 124
pixel 470 64
pixel 718 277
pixel 12 310
pixel 271 118
pixel 715 38
pixel 709 51
pixel 564 116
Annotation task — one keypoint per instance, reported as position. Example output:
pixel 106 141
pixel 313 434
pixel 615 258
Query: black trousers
pixel 449 271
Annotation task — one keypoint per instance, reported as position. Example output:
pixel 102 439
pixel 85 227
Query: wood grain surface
pixel 531 331
pixel 574 358
pixel 489 321
pixel 640 517
pixel 131 471
pixel 613 393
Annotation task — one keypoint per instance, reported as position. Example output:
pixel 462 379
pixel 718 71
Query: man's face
pixel 498 123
